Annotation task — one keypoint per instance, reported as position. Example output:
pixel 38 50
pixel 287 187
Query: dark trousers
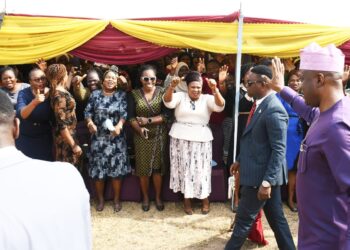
pixel 248 208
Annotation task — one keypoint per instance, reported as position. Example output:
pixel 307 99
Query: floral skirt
pixel 190 167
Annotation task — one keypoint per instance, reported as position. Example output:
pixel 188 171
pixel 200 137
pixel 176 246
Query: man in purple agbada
pixel 323 179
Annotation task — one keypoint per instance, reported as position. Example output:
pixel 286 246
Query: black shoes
pixel 160 206
pixel 145 207
pixel 292 208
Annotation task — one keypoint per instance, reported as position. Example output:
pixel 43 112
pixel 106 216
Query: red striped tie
pixel 251 113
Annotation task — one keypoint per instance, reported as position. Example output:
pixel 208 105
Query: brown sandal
pixel 187 207
pixel 205 206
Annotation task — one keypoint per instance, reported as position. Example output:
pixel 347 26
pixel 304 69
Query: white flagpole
pixel 236 107
pixel 238 78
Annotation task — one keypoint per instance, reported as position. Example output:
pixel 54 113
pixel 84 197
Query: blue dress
pixel 295 134
pixel 108 154
pixel 35 139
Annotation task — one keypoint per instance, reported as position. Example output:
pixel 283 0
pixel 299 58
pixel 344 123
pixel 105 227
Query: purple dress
pixel 323 179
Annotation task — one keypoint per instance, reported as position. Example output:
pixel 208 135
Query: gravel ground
pixel 134 229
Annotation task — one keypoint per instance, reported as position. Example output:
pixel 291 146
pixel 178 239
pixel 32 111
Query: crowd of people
pixel 177 116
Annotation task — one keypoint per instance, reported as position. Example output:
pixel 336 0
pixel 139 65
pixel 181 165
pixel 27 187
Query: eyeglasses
pixel 43 79
pixel 193 105
pixel 250 83
pixel 146 78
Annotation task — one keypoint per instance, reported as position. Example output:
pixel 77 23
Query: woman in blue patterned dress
pixel 105 115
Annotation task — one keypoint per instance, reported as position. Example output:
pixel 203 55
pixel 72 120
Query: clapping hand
pixel 277 81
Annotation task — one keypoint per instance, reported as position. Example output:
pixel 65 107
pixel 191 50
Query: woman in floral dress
pixel 63 105
pixel 105 115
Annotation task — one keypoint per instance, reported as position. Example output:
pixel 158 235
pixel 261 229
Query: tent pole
pixel 238 77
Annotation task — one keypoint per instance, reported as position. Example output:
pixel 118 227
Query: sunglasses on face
pixel 250 83
pixel 146 78
pixel 43 79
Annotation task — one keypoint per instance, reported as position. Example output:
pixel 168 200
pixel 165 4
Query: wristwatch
pixel 149 120
pixel 266 184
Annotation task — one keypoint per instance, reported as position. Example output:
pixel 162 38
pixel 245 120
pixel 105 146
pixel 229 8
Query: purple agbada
pixel 323 179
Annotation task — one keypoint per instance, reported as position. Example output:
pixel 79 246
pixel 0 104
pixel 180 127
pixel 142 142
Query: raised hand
pixel 212 84
pixel 172 66
pixel 201 65
pixel 288 64
pixel 175 81
pixel 223 73
pixel 77 80
pixel 346 73
pixel 277 81
pixel 42 64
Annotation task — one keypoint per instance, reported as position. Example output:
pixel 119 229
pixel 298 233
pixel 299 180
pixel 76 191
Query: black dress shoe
pixel 160 206
pixel 145 207
pixel 292 208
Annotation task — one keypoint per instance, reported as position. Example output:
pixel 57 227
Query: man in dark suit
pixel 261 164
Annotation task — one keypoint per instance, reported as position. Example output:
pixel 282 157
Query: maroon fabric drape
pixel 112 46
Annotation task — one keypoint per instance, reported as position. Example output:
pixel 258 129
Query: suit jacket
pixel 263 145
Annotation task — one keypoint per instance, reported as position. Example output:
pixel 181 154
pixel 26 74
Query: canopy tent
pixel 134 31
pixel 140 33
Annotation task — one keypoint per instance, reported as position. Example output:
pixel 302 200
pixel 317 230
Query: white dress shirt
pixel 44 205
pixel 259 101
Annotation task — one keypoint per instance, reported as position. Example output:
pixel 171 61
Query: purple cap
pixel 314 57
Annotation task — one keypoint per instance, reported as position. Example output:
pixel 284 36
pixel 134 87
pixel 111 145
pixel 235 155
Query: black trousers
pixel 248 208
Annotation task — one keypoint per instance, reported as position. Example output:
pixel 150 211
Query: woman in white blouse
pixel 191 138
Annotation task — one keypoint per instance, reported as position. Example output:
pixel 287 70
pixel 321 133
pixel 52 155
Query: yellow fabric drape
pixel 24 39
pixel 284 40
